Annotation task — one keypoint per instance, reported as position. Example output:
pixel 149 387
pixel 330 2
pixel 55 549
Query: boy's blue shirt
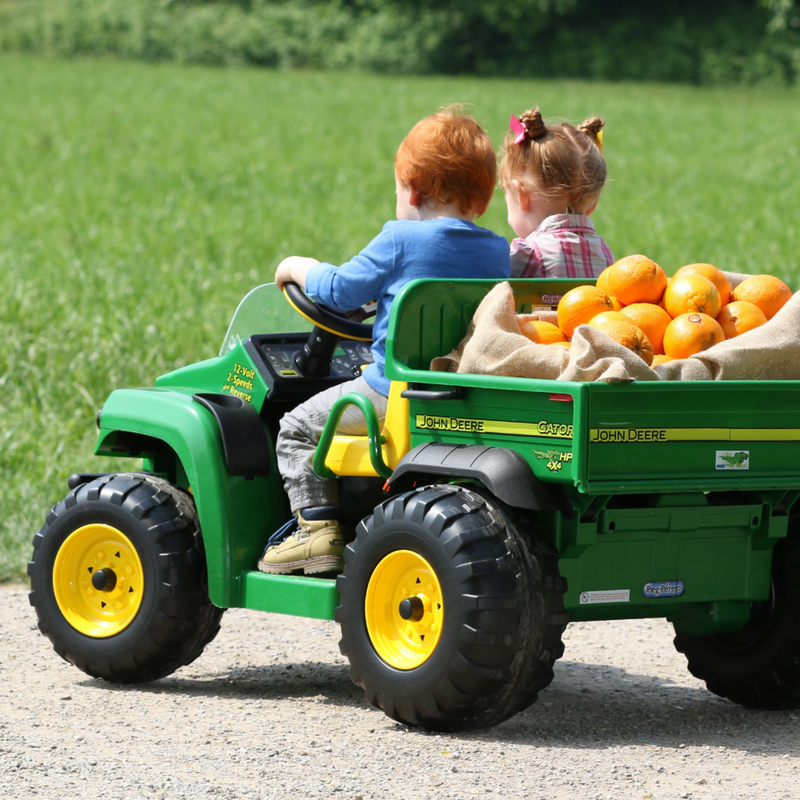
pixel 403 251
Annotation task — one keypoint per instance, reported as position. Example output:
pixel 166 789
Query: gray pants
pixel 300 431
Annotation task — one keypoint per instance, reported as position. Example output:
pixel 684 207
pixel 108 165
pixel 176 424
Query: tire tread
pixel 183 620
pixel 510 601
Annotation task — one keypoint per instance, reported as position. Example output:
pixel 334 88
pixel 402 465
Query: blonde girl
pixel 552 176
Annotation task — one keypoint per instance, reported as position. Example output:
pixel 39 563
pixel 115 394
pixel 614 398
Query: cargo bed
pixel 667 497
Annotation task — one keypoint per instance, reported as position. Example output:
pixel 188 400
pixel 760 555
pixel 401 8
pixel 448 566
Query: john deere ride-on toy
pixel 489 512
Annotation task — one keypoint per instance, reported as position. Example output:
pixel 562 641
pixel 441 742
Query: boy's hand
pixel 294 270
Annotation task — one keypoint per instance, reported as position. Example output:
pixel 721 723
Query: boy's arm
pixel 357 281
pixel 294 270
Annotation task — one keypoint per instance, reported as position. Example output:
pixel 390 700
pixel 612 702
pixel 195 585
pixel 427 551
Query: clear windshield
pixel 263 310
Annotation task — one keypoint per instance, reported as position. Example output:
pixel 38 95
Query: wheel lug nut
pixel 104 580
pixel 411 608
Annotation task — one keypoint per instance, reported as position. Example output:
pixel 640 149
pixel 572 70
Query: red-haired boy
pixel 445 171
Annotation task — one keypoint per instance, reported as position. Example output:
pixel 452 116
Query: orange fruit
pixel 628 335
pixel 565 343
pixel 636 279
pixel 652 319
pixel 542 332
pixel 660 358
pixel 688 334
pixel 716 276
pixel 740 316
pixel 607 316
pixel 602 285
pixel 579 305
pixel 689 293
pixel 767 292
pixel 602 281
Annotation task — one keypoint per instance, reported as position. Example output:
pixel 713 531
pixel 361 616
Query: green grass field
pixel 138 203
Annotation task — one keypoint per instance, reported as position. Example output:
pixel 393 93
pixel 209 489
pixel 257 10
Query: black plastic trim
pixel 244 440
pixel 79 478
pixel 292 390
pixel 415 393
pixel 505 473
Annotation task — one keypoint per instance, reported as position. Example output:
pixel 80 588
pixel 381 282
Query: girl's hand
pixel 294 270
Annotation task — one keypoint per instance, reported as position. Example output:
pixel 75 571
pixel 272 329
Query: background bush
pixel 715 42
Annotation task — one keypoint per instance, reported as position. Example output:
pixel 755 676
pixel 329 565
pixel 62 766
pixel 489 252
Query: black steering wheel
pixel 343 325
pixel 314 360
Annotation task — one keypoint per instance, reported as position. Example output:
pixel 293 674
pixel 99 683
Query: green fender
pixel 180 438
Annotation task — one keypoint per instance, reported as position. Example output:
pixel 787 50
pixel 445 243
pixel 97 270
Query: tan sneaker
pixel 316 547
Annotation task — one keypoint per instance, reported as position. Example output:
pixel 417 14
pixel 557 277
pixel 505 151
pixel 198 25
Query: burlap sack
pixel 494 345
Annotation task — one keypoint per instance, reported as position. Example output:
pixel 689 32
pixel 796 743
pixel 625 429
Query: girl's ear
pixel 591 208
pixel 523 196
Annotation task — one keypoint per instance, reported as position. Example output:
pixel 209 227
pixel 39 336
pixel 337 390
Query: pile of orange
pixel 661 318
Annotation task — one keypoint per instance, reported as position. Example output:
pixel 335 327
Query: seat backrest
pixel 396 425
pixel 430 317
pixel 350 455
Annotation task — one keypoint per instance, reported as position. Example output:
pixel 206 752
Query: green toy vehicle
pixel 489 512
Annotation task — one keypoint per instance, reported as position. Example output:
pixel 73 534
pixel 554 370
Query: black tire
pixel 758 666
pixel 501 625
pixel 155 568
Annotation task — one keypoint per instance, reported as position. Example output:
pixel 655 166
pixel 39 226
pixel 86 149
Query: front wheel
pixel 758 666
pixel 449 620
pixel 118 579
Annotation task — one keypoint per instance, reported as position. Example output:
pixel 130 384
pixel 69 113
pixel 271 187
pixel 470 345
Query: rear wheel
pixel 758 666
pixel 449 620
pixel 119 582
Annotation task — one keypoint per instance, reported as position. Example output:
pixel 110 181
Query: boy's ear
pixel 414 197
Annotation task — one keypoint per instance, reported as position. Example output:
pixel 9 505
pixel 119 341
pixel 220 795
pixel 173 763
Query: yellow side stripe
pixel 553 430
pixel 765 434
pixel 616 435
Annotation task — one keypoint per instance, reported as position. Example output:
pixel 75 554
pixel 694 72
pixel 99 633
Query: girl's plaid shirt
pixel 563 246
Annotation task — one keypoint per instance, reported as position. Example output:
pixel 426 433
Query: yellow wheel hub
pixel 98 580
pixel 404 609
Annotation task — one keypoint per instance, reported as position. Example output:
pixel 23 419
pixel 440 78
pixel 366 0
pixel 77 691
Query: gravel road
pixel 268 711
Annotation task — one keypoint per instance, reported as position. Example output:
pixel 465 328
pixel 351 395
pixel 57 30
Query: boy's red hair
pixel 448 158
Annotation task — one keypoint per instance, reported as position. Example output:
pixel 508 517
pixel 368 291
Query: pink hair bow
pixel 518 128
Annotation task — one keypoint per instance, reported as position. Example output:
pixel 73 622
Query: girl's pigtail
pixel 534 124
pixel 591 127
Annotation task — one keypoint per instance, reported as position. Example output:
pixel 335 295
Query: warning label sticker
pixel 606 596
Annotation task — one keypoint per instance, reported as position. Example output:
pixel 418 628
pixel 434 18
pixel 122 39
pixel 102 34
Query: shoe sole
pixel 308 566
